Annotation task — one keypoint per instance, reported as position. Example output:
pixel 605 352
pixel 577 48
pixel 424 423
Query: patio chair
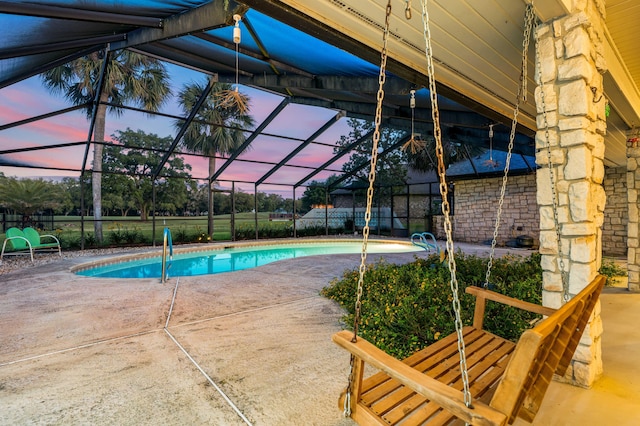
pixel 27 241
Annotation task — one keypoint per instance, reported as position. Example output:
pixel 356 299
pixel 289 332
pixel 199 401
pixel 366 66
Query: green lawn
pixel 118 230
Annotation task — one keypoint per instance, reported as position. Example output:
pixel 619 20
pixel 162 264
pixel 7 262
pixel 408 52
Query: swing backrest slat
pixel 543 351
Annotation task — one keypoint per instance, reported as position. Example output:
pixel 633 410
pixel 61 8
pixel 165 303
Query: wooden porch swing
pixel 434 385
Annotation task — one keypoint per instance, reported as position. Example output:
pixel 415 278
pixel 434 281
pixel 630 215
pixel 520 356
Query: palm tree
pixel 27 196
pixel 130 77
pixel 218 127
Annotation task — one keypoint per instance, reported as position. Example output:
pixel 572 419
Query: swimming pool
pixel 232 258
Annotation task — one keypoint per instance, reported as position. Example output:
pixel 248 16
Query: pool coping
pixel 114 260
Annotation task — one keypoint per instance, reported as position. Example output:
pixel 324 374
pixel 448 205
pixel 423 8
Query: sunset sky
pixel 29 98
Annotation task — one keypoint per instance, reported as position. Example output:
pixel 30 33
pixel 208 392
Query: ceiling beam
pixel 69 13
pixel 369 85
pixel 246 52
pixel 177 55
pixel 366 110
pixel 54 62
pixel 62 45
pixel 550 9
pixel 467 127
pixel 361 108
pixel 258 41
pixel 206 17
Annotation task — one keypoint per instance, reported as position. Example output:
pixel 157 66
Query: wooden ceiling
pixel 622 18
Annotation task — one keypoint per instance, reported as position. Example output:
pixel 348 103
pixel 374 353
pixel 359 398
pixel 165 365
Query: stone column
pixel 633 189
pixel 570 68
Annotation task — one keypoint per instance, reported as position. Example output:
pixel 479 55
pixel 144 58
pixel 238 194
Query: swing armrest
pixel 482 295
pixel 445 396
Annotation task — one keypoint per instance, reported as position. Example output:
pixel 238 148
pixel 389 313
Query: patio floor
pixel 243 347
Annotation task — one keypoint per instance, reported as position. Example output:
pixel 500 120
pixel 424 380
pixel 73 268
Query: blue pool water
pixel 234 259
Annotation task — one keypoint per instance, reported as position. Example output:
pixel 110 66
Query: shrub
pixel 609 269
pixel 133 236
pixel 270 230
pixel 116 234
pixel 70 243
pixel 245 232
pixel 315 230
pixel 119 234
pixel 90 240
pixel 180 235
pixel 407 307
pixel 265 231
pixel 200 236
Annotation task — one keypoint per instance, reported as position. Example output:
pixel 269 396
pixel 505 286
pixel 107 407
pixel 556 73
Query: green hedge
pixel 407 307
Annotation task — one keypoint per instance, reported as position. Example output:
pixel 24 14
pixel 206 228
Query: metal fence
pixel 42 221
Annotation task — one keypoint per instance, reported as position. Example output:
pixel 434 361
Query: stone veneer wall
pixel 616 216
pixel 476 203
pixel 633 206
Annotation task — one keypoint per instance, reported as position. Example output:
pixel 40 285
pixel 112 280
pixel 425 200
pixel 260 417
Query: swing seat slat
pixel 507 380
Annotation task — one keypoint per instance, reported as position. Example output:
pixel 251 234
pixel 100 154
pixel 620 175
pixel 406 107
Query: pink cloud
pixel 61 130
pixel 31 98
pixel 25 100
pixel 10 115
pixel 64 158
pixel 313 155
pixel 42 133
pixel 301 121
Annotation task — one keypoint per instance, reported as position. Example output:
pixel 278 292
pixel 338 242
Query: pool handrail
pixel 166 241
pixel 421 240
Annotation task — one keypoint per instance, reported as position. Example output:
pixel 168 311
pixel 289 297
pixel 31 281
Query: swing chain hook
pixel 407 9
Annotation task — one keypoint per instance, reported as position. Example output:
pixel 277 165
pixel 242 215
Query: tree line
pixel 122 196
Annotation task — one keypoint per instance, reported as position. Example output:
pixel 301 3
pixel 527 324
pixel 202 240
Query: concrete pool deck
pixel 78 350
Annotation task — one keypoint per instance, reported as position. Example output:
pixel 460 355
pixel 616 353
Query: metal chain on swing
pixel 446 209
pixel 370 191
pixel 529 17
pixel 552 180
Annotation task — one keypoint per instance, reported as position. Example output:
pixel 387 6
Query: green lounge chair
pixel 28 241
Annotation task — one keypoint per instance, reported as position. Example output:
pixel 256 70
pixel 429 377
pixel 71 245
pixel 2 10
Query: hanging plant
pixel 491 163
pixel 233 99
pixel 415 144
